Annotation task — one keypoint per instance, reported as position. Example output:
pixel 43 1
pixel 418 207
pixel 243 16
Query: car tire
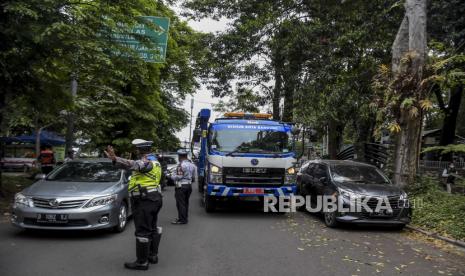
pixel 399 227
pixel 330 219
pixel 299 193
pixel 122 218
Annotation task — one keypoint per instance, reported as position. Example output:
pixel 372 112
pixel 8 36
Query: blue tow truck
pixel 244 155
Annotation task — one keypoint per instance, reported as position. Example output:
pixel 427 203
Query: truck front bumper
pixel 244 191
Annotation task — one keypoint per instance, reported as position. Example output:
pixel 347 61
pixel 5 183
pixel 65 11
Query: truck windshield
pixel 250 140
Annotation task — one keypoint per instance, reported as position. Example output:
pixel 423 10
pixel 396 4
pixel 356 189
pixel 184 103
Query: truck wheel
pixel 200 184
pixel 209 203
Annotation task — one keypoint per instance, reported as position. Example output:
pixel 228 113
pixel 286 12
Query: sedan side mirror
pixel 295 131
pixel 40 176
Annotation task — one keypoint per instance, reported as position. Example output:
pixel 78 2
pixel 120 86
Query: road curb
pixel 435 235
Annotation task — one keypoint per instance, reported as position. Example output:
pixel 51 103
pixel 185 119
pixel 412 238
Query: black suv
pixel 350 184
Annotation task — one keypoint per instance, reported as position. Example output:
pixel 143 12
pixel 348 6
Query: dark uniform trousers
pixel 145 214
pixel 182 195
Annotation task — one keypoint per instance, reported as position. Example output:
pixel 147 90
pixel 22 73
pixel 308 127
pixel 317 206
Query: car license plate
pixel 381 215
pixel 253 191
pixel 52 218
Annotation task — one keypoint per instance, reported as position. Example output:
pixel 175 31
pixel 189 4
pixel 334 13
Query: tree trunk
pixel 288 110
pixel 38 131
pixel 407 150
pixel 450 119
pixel 364 133
pixel 2 154
pixel 277 92
pixel 410 39
pixel 335 131
pixel 71 117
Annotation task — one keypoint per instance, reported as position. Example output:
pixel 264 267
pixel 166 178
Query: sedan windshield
pixel 360 174
pixel 86 172
pixel 250 140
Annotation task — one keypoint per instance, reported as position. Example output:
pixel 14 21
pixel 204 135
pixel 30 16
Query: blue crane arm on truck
pixel 244 155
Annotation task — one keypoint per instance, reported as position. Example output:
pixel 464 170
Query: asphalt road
pixel 231 242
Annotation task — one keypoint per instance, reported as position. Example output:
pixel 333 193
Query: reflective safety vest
pixel 149 179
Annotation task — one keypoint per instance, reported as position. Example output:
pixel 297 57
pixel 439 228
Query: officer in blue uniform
pixel 186 173
pixel 146 198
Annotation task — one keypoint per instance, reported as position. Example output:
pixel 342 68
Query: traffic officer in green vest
pixel 144 188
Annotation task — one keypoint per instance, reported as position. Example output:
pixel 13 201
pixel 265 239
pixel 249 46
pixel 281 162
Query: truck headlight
pixel 214 169
pixel 22 200
pixel 289 177
pixel 101 201
pixel 216 174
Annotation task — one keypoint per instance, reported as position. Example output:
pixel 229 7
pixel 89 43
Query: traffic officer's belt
pixel 148 191
pixel 179 184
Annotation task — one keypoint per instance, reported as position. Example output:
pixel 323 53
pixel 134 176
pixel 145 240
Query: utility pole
pixel 70 124
pixel 190 125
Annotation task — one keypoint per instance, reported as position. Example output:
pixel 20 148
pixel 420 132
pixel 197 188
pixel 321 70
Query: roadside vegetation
pixel 439 211
pixel 12 185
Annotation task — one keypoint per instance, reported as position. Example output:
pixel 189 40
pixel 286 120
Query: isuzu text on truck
pixel 244 155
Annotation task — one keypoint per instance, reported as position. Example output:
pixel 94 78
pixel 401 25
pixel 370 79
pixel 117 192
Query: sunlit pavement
pixel 231 242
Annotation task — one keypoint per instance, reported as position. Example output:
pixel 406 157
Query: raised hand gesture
pixel 110 152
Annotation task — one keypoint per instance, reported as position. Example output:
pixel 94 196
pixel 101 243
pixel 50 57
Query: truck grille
pixel 253 176
pixel 52 203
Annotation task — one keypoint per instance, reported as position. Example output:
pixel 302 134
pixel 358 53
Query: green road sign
pixel 157 35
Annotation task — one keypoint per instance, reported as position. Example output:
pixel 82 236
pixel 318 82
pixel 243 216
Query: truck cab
pixel 244 155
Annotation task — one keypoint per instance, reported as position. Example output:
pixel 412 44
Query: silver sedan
pixel 82 194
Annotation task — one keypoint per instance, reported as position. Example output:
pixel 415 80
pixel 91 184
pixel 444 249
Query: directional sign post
pixel 158 37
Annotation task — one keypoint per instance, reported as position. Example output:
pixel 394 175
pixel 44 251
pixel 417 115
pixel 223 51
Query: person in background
pixel 69 156
pixel 47 160
pixel 449 174
pixel 164 168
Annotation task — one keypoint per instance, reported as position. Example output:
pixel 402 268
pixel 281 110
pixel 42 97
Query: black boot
pixel 154 243
pixel 142 252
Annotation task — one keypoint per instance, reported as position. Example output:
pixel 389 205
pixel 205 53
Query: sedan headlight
pixel 216 174
pixel 22 200
pixel 101 201
pixel 348 194
pixel 403 200
pixel 290 176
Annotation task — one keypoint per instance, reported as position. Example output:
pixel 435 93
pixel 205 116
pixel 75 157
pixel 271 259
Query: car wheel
pixel 300 193
pixel 122 218
pixel 399 227
pixel 330 219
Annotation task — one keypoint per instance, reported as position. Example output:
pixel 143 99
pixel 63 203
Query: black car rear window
pixel 86 172
pixel 361 174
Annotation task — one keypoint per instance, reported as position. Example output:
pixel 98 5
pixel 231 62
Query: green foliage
pixel 120 97
pixel 244 100
pixel 439 211
pixel 459 148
